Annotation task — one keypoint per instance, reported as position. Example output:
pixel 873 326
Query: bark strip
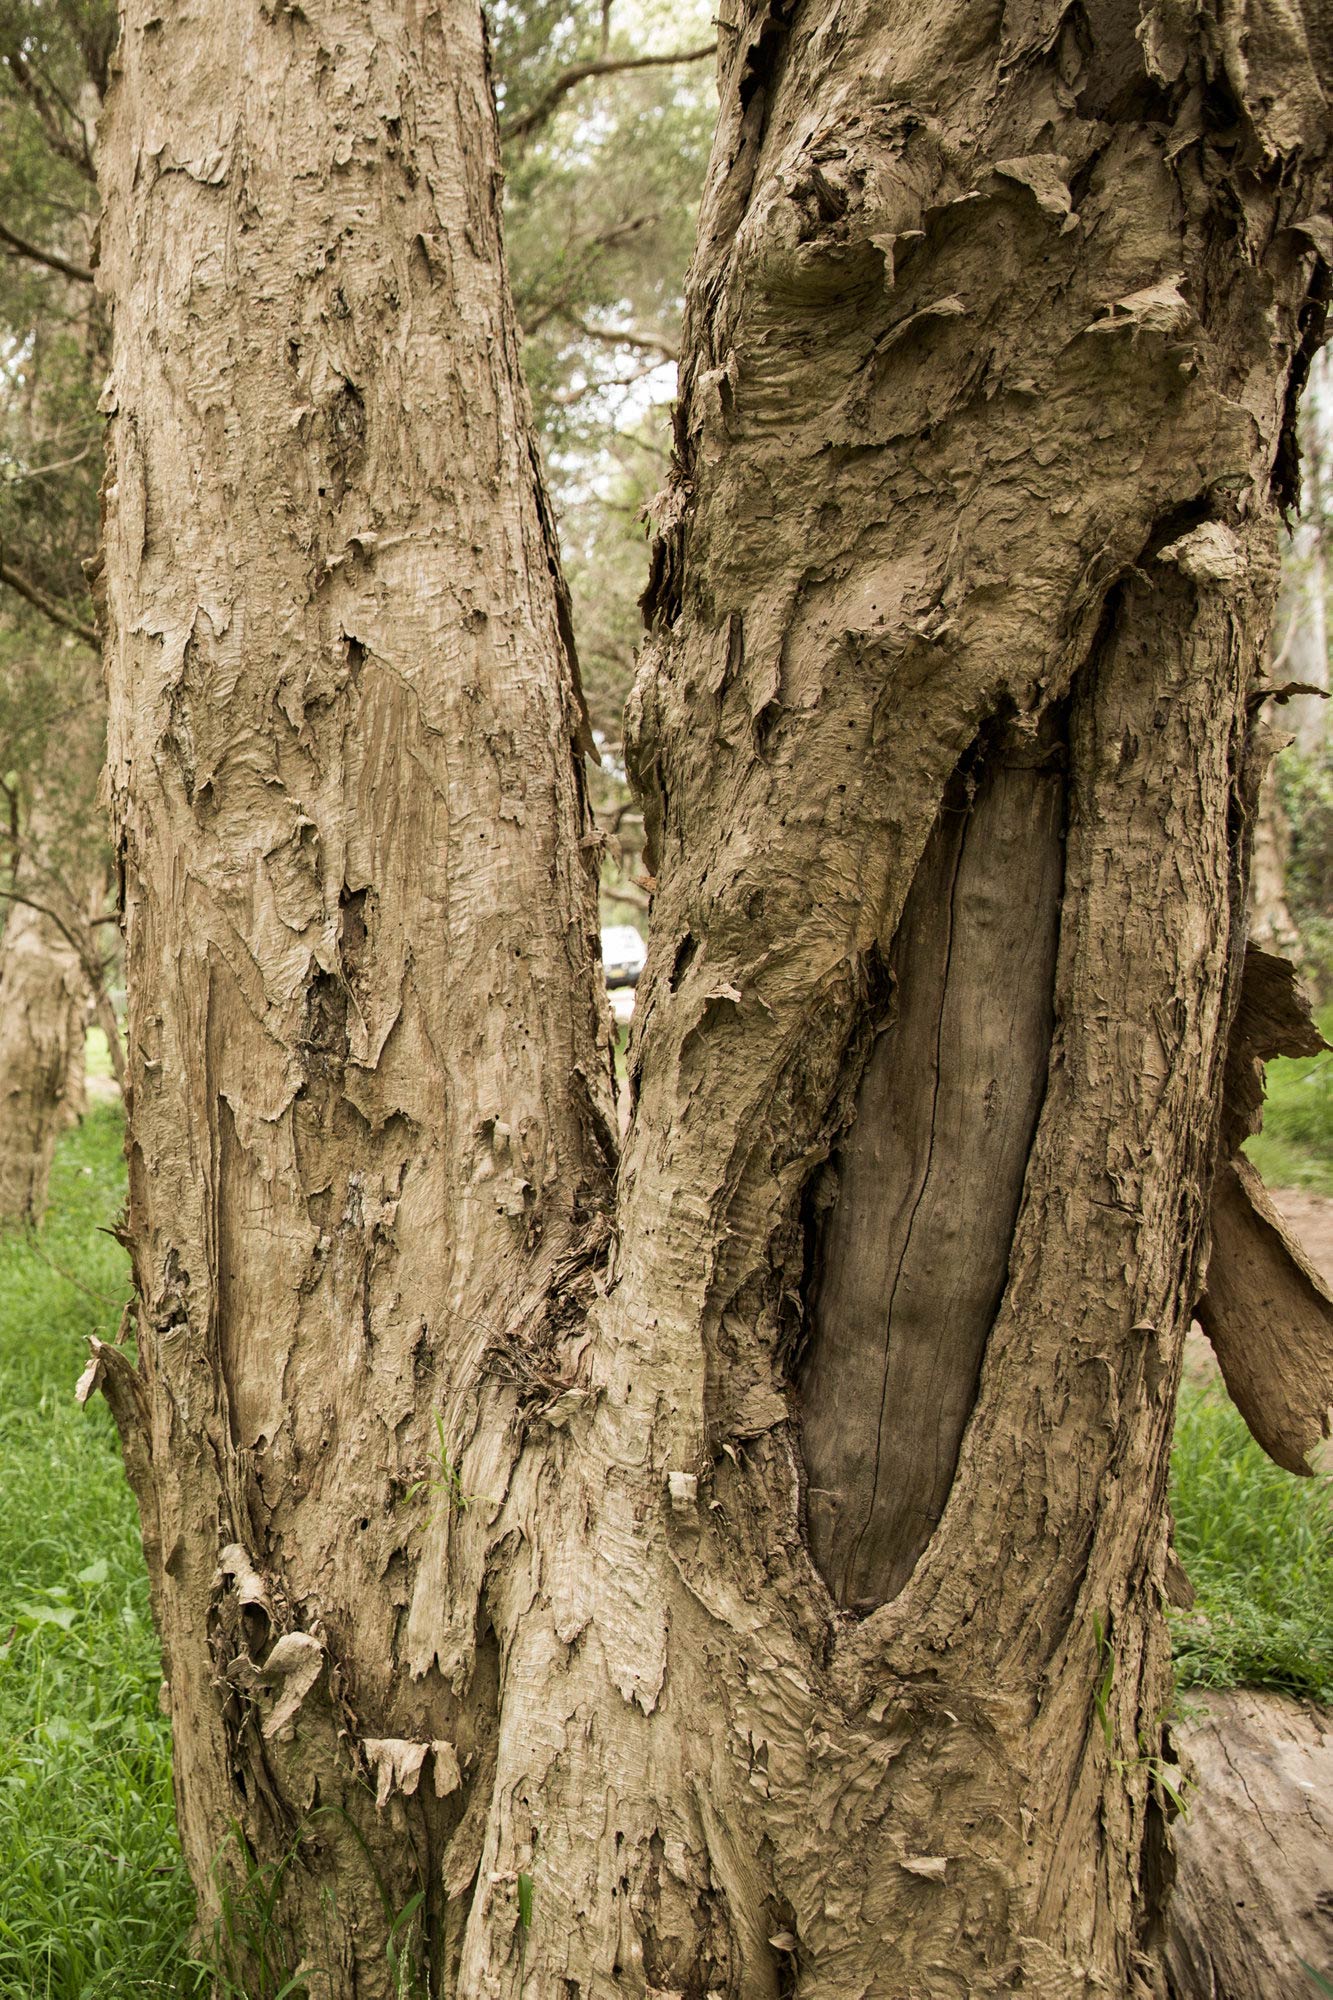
pixel 1266 1310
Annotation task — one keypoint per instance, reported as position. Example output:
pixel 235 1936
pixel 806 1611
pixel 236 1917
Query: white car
pixel 623 955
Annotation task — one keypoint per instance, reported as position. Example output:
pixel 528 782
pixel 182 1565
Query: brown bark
pixel 993 331
pixel 43 1015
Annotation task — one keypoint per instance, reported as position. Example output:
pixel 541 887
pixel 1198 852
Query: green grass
pixel 97 1056
pixel 1257 1545
pixel 94 1904
pixel 1295 1148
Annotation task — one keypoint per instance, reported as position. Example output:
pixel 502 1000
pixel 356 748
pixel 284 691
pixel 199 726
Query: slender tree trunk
pixel 762 1598
pixel 1271 921
pixel 43 1014
pixel 372 1123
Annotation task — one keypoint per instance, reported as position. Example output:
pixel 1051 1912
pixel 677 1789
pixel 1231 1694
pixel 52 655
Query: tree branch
pixel 47 605
pixel 534 312
pixel 528 121
pixel 624 336
pixel 51 258
pixel 57 138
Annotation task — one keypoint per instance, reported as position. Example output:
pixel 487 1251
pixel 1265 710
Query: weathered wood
pixel 911 1263
pixel 1254 1856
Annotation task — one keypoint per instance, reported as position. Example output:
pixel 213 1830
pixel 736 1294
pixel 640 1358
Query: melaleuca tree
pixel 731 1564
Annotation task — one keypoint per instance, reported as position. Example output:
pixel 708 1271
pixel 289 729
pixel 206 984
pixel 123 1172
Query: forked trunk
pixel 759 1597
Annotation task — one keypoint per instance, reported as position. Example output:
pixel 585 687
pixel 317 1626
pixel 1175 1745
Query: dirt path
pixel 1309 1217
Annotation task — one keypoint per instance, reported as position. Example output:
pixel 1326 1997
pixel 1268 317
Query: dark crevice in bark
pixel 910 1261
pixel 1311 320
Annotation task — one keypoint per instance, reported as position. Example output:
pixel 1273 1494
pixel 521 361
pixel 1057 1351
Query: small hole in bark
pixel 765 725
pixel 680 965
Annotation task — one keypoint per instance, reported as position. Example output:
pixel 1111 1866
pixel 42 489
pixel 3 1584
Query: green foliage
pixel 600 201
pixel 1257 1545
pixel 1295 1148
pixel 54 57
pixel 94 1903
pixel 444 1483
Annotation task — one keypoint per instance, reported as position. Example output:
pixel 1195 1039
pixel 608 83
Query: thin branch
pixel 528 121
pixel 48 606
pixel 535 312
pixel 566 399
pixel 57 138
pixel 45 471
pixel 51 258
pixel 624 336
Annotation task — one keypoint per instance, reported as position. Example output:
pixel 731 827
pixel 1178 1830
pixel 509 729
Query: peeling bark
pixel 993 334
pixel 1266 1310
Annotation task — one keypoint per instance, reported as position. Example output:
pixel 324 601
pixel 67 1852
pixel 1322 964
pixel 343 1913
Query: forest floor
pixel 94 1902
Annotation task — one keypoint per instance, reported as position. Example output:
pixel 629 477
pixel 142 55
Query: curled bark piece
pixel 1254 1856
pixel 1272 1019
pixel 236 1568
pixel 295 1661
pixel 1266 1311
pixel 1270 1320
pixel 396 1764
pixel 448 1776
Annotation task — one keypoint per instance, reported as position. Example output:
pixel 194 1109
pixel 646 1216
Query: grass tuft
pixel 1257 1545
pixel 1295 1148
pixel 94 1902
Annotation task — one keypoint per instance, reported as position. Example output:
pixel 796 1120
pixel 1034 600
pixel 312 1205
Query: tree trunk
pixel 43 1014
pixel 1271 921
pixel 761 1598
pixel 370 1076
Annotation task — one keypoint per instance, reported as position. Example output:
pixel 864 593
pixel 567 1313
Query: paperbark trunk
pixel 43 1013
pixel 759 1596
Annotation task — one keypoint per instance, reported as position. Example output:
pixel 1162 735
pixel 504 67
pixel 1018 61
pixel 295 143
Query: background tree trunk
pixel 43 1015
pixel 1303 609
pixel 497 1603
